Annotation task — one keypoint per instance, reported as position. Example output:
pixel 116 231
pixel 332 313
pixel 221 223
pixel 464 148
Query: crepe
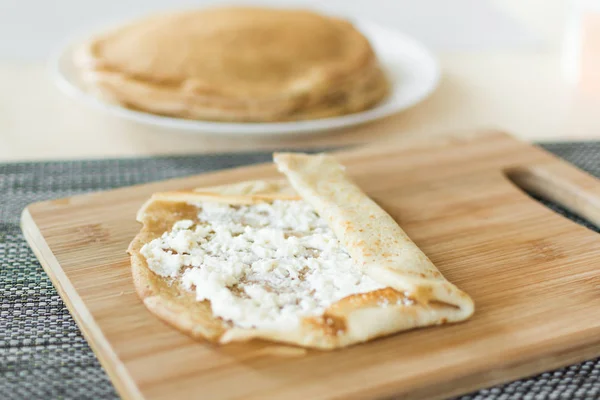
pixel 235 64
pixel 414 293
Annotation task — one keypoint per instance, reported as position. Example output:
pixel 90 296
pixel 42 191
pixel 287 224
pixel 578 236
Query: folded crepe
pixel 361 276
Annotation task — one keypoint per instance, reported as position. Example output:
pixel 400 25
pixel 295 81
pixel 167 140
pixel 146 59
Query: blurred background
pixel 32 29
pixel 530 67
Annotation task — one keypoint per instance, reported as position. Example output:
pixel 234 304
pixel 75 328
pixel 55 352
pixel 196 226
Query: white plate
pixel 412 69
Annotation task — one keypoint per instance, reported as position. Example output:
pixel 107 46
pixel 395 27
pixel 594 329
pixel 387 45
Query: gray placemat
pixel 42 352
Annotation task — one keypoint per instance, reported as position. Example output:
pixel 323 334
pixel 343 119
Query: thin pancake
pixel 235 64
pixel 371 235
pixel 362 94
pixel 417 294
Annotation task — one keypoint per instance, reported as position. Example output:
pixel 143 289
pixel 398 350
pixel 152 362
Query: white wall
pixel 33 29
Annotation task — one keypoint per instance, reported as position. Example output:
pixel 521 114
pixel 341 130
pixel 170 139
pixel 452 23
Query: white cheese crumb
pixel 261 266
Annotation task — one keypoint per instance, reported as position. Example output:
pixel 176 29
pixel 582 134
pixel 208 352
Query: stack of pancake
pixel 235 64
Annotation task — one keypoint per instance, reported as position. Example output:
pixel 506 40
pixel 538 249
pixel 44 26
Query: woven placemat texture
pixel 42 352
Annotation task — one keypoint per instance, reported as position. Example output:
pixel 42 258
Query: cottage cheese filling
pixel 261 266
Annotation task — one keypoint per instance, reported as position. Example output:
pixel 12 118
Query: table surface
pixel 521 90
pixel 42 352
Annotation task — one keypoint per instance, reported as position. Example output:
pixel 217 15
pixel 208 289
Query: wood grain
pixel 534 277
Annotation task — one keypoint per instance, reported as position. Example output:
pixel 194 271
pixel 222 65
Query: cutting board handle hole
pixel 561 188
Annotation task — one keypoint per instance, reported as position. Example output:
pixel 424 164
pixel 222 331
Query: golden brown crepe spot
pixel 328 324
pixel 377 298
pixel 164 214
pixel 422 294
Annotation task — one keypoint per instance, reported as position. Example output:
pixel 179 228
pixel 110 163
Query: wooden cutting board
pixel 533 274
